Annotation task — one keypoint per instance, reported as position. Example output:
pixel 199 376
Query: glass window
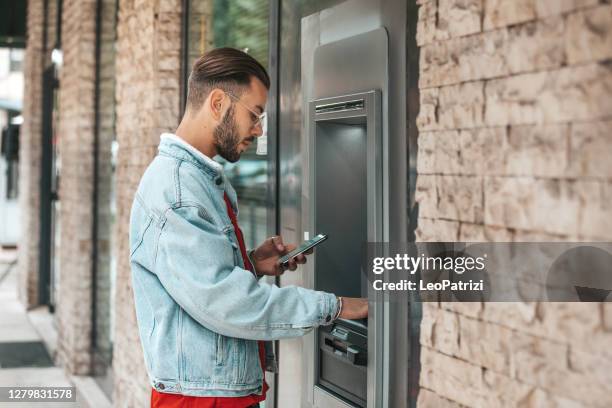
pixel 10 152
pixel 241 24
pixel 16 60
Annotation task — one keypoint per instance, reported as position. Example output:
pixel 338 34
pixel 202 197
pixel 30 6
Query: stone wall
pixel 515 140
pixel 147 92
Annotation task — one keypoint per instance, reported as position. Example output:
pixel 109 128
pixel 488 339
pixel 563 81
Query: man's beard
pixel 226 137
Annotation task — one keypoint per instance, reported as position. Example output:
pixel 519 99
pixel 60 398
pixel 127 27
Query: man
pixel 202 312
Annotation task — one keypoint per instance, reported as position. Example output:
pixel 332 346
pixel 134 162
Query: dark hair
pixel 225 68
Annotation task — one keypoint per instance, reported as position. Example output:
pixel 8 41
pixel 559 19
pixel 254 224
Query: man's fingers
pixel 300 259
pixel 278 243
pixel 292 265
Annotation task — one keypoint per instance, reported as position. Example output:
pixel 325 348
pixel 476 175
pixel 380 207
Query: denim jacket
pixel 200 313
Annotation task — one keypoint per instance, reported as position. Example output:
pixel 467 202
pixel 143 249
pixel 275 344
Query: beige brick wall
pixel 30 153
pixel 148 78
pixel 515 145
pixel 76 138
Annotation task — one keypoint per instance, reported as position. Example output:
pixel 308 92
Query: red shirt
pixel 163 400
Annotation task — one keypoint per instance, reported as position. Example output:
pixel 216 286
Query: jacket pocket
pixel 248 362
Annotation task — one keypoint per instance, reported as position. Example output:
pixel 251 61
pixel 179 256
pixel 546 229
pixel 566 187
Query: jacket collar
pixel 177 147
pixel 173 145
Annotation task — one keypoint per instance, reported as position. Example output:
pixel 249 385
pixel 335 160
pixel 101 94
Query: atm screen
pixel 341 207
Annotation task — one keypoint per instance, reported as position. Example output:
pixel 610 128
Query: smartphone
pixel 305 246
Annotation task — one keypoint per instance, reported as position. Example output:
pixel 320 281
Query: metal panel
pixel 329 21
pixel 347 58
pixel 323 398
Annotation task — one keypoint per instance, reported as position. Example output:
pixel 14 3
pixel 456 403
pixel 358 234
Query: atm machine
pixel 350 173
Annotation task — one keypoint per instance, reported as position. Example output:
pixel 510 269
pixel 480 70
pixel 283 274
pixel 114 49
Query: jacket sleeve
pixel 195 262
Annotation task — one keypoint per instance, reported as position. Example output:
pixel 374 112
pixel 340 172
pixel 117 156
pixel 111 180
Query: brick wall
pixel 147 92
pixel 30 153
pixel 515 144
pixel 76 139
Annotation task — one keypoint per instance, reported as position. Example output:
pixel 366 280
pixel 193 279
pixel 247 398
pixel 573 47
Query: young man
pixel 202 312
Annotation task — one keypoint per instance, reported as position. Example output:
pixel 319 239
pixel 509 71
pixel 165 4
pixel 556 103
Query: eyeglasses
pixel 256 118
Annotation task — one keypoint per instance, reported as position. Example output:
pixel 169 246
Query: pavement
pixel 17 330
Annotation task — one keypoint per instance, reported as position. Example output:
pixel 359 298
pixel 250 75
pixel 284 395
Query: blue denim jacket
pixel 199 311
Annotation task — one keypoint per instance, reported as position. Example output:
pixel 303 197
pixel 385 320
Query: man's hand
pixel 354 308
pixel 266 256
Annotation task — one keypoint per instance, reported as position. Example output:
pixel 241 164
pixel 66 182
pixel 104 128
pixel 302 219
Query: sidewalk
pixel 24 360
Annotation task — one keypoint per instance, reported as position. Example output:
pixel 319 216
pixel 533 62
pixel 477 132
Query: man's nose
pixel 257 130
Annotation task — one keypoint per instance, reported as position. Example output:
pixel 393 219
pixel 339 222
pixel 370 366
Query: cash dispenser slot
pixel 340 106
pixel 353 350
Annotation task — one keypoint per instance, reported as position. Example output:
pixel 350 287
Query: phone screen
pixel 305 246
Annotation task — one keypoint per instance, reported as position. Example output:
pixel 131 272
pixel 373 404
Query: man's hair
pixel 225 68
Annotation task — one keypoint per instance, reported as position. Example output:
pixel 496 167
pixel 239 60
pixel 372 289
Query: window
pixel 16 60
pixel 10 152
pixel 241 24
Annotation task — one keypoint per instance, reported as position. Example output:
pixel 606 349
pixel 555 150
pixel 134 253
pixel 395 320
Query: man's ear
pixel 216 101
